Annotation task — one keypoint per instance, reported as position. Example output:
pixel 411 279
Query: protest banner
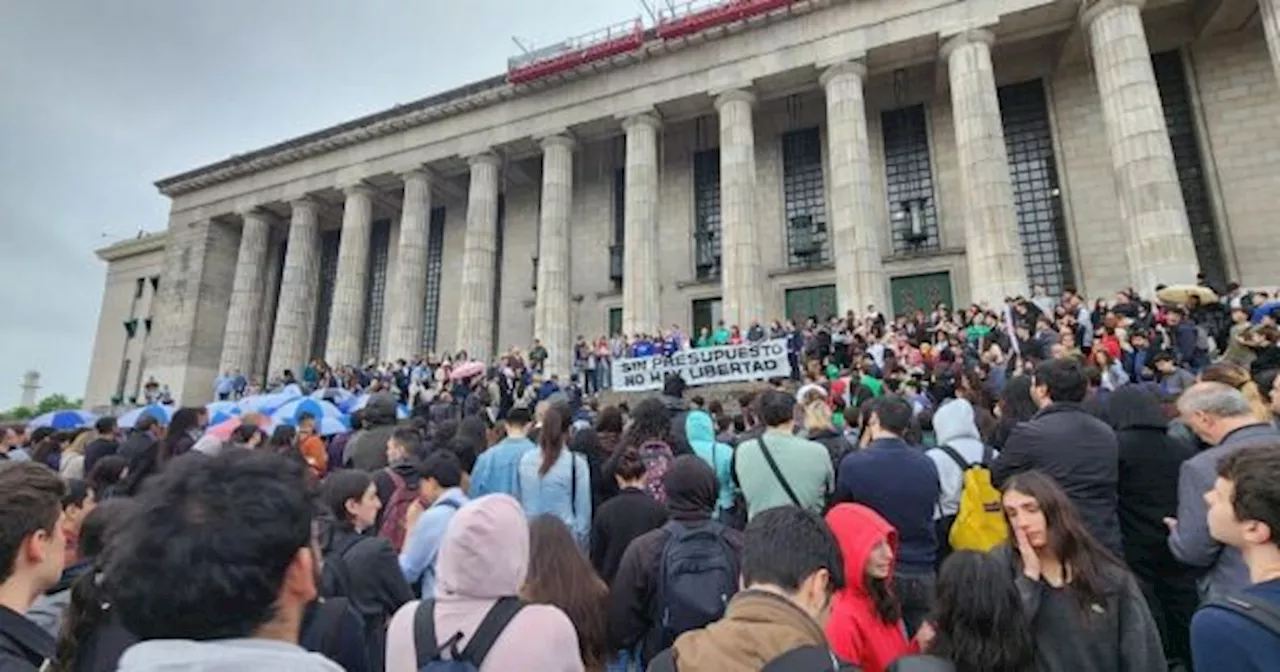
pixel 704 366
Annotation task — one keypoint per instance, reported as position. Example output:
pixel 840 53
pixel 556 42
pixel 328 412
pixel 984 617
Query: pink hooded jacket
pixel 484 556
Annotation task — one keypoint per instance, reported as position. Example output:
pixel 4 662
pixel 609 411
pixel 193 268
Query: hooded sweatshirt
pixel 857 634
pixel 955 425
pixel 222 655
pixel 701 432
pixel 485 556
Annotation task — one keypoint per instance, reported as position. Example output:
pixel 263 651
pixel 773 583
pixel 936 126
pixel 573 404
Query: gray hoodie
pixel 222 655
pixel 954 425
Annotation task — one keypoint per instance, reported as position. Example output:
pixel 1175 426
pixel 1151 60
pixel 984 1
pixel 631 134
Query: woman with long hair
pixel 866 627
pixel 560 575
pixel 106 475
pixel 1238 377
pixel 91 637
pixel 364 569
pixel 555 480
pixel 1113 373
pixel 977 620
pixel 1016 405
pixel 1085 609
pixel 72 465
pixel 183 432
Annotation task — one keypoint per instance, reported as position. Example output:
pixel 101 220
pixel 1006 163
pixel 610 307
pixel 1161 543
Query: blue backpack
pixel 472 655
pixel 697 574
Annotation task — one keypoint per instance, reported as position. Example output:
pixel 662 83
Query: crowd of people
pixel 1050 486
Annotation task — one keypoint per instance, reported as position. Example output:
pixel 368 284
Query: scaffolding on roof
pixel 598 45
pixel 696 16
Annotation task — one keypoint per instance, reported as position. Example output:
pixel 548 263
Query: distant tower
pixel 30 385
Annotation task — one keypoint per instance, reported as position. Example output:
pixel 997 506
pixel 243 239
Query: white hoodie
pixel 954 426
pixel 222 655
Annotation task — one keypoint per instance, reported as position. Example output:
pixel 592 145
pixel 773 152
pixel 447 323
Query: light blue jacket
pixel 701 433
pixel 497 469
pixel 553 493
pixel 418 558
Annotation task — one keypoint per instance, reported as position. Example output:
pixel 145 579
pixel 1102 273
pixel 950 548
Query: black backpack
pixel 335 578
pixel 470 657
pixel 697 574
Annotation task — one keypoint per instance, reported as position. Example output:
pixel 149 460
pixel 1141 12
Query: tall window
pixel 435 269
pixel 706 313
pixel 706 213
pixel 805 199
pixel 1034 174
pixel 122 381
pixel 375 293
pixel 329 241
pixel 909 180
pixel 619 225
pixel 1171 79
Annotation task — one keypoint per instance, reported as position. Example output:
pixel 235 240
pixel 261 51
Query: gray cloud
pixel 100 99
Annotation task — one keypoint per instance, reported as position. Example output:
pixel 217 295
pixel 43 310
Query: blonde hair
pixel 80 442
pixel 817 415
pixel 1238 377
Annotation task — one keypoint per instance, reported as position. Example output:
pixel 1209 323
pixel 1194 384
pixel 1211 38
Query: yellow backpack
pixel 979 523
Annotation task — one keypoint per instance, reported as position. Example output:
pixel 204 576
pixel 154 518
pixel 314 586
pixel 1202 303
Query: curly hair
pixel 978 617
pixel 216 531
pixel 650 421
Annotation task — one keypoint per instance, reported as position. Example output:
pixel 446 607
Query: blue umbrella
pixel 331 426
pixel 163 414
pixel 318 409
pixel 335 395
pixel 263 403
pixel 64 419
pixel 221 411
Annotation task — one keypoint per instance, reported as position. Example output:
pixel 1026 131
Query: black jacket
pixel 96 450
pixel 1078 451
pixel 23 645
pixel 676 436
pixel 133 446
pixel 634 590
pixel 102 649
pixel 408 470
pixel 837 446
pixel 377 587
pixel 1149 464
pixel 619 521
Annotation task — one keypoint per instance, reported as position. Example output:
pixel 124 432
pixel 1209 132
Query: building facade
pixel 744 161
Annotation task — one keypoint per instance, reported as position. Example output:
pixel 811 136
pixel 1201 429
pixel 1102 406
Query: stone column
pixel 641 305
pixel 270 304
pixel 742 278
pixel 479 256
pixel 346 319
pixel 1270 11
pixel 299 289
pixel 993 246
pixel 406 294
pixel 551 314
pixel 245 312
pixel 855 241
pixel 1156 233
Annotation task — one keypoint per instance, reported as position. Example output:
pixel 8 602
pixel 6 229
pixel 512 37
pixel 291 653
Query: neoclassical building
pixel 738 160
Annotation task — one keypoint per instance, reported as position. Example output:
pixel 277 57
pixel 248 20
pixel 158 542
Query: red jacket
pixel 855 632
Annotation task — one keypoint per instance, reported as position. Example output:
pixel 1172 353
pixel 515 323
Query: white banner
pixel 704 366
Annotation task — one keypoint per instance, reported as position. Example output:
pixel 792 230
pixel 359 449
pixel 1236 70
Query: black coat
pixel 23 645
pixel 619 521
pixel 1149 464
pixel 633 594
pixel 377 586
pixel 96 450
pixel 1078 451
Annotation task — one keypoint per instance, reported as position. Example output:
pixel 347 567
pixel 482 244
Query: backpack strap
pixel 777 473
pixel 988 455
pixel 490 628
pixel 955 457
pixel 424 633
pixel 397 481
pixel 573 483
pixel 1262 613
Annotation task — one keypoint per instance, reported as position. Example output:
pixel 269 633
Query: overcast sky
pixel 99 99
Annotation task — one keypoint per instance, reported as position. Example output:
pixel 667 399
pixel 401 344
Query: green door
pixel 706 313
pixel 805 302
pixel 920 292
pixel 615 322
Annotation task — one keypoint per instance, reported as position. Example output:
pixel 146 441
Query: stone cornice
pixel 149 242
pixel 1092 9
